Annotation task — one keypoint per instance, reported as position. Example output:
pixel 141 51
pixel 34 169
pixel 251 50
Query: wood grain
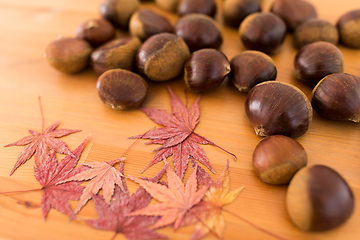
pixel 28 26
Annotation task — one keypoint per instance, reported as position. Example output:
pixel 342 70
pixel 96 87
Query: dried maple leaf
pixel 51 173
pixel 177 136
pixel 41 144
pixel 217 196
pixel 103 176
pixel 115 216
pixel 176 199
pixel 208 213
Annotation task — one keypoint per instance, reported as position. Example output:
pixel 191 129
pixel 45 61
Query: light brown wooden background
pixel 28 26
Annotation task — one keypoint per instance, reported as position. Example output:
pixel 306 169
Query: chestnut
pixel 205 69
pixel 69 55
pixel 234 11
pixel 250 68
pixel 167 5
pixel 198 31
pixel 337 97
pixel 263 32
pixel 162 56
pixel 207 7
pixel 145 23
pixel 118 53
pixel 277 158
pixel 95 31
pixel 316 60
pixel 349 28
pixel 276 108
pixel 319 199
pixel 121 89
pixel 293 12
pixel 118 12
pixel 315 30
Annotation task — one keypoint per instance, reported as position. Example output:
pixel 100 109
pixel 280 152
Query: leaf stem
pixel 254 225
pixel 22 191
pixel 215 145
pixel 127 150
pixel 203 223
pixel 42 116
pixel 114 236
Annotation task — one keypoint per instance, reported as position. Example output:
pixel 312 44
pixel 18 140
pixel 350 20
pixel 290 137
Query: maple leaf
pixel 177 136
pixel 41 144
pixel 50 173
pixel 210 208
pixel 175 200
pixel 115 216
pixel 103 176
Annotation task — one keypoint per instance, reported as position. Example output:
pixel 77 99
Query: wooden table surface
pixel 28 26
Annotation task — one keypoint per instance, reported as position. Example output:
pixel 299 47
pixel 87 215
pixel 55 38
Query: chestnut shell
pixel 198 31
pixel 146 23
pixel 250 68
pixel 207 7
pixel 349 28
pixel 319 199
pixel 278 108
pixel 264 32
pixel 315 30
pixel 121 89
pixel 119 12
pixel 293 12
pixel 69 55
pixel 234 11
pixel 337 97
pixel 277 158
pixel 316 60
pixel 162 57
pixel 118 53
pixel 205 69
pixel 95 31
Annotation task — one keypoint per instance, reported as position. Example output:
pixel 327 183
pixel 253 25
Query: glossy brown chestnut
pixel 198 31
pixel 315 30
pixel 276 108
pixel 69 55
pixel 167 5
pixel 234 11
pixel 316 60
pixel 145 23
pixel 118 53
pixel 162 56
pixel 319 199
pixel 277 158
pixel 207 7
pixel 293 12
pixel 337 97
pixel 250 68
pixel 263 32
pixel 121 89
pixel 349 29
pixel 95 31
pixel 118 12
pixel 205 70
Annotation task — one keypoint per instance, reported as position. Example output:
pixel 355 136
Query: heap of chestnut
pixel 154 50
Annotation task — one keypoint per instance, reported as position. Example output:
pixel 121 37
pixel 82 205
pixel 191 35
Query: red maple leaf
pixel 177 136
pixel 50 173
pixel 103 175
pixel 176 200
pixel 41 144
pixel 115 216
